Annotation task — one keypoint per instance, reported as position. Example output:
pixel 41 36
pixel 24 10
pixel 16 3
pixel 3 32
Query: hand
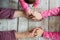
pixel 36 32
pixel 33 32
pixel 36 16
pixel 39 32
pixel 28 13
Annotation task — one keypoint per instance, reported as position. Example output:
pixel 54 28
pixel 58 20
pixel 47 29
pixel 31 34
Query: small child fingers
pixel 33 18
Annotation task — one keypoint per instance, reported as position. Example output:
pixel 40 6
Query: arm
pixel 7 35
pixel 10 13
pixel 22 35
pixel 36 3
pixel 52 35
pixel 51 12
pixel 24 5
pixel 31 33
pixel 6 13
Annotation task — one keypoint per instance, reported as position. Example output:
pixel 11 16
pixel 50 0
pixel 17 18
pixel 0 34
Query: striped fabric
pixel 52 35
pixel 25 6
pixel 51 12
pixel 6 13
pixel 7 35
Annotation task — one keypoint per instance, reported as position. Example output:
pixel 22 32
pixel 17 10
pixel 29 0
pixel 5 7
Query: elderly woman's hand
pixel 36 32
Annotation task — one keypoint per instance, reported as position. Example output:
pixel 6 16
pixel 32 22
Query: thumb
pixel 33 18
pixel 34 33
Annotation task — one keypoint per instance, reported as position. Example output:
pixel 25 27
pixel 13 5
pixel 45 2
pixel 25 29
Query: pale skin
pixel 33 15
pixel 37 16
pixel 33 33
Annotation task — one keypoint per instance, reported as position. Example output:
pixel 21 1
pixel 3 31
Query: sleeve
pixel 7 35
pixel 36 3
pixel 24 5
pixel 51 12
pixel 6 13
pixel 52 35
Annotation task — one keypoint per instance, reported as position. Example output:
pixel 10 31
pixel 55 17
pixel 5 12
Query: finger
pixel 34 18
pixel 37 19
pixel 31 16
pixel 30 13
pixel 34 33
pixel 40 27
pixel 37 28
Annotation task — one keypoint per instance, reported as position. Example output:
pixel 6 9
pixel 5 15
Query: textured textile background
pixel 9 4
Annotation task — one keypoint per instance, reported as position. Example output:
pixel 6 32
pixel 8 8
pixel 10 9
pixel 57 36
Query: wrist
pixel 30 35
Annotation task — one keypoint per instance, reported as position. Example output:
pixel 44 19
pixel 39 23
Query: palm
pixel 37 16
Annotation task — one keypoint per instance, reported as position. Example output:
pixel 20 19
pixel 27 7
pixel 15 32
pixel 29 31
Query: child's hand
pixel 29 12
pixel 36 16
pixel 35 8
pixel 39 32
